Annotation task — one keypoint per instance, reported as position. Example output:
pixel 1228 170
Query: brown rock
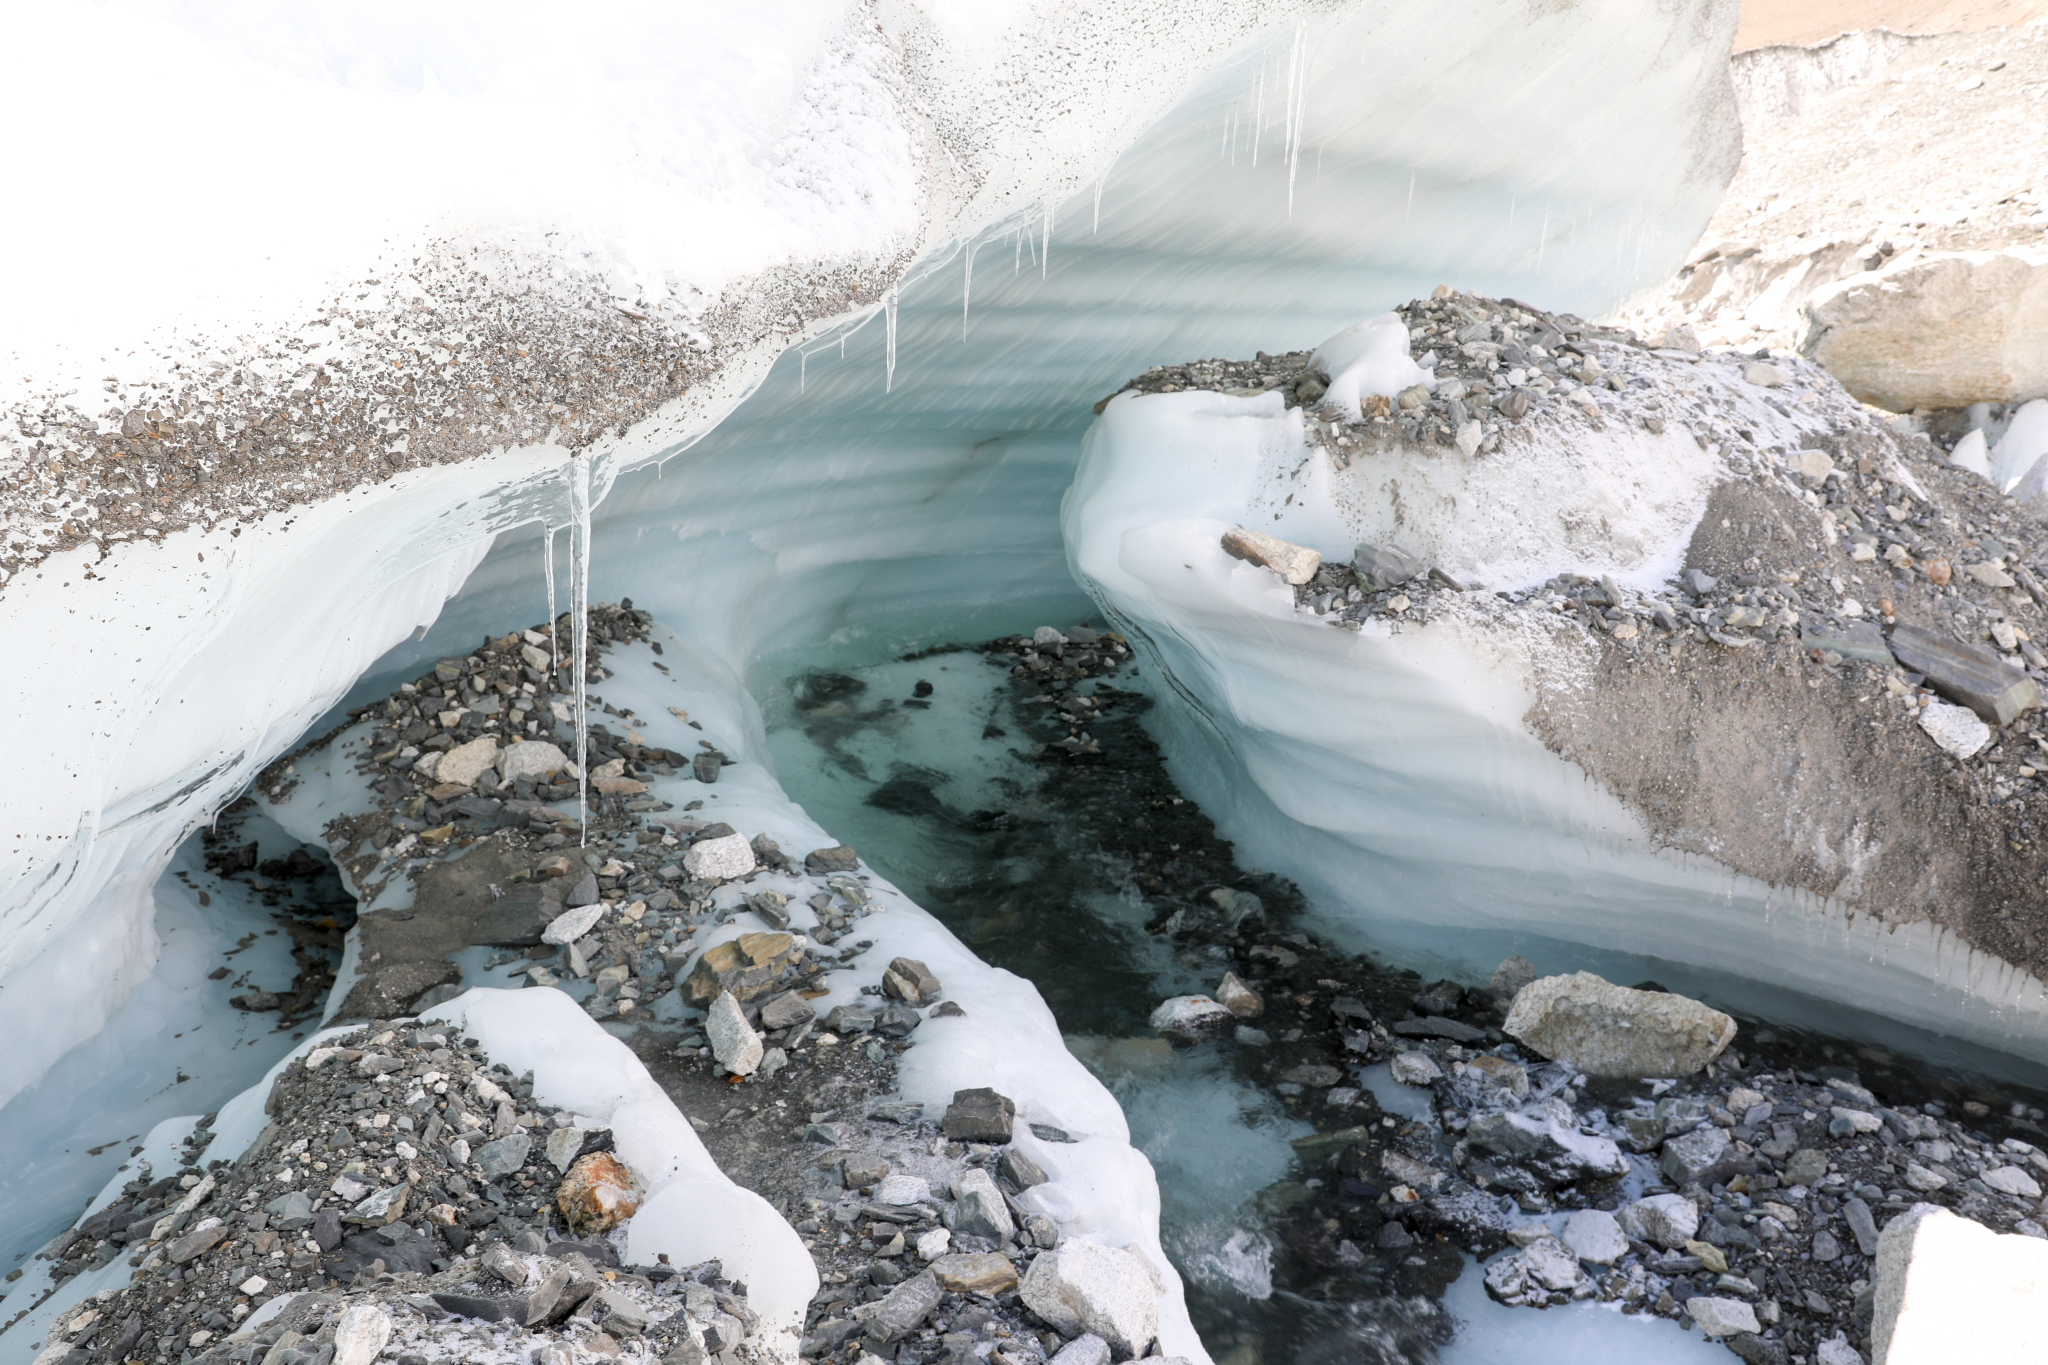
pixel 1295 563
pixel 598 1194
pixel 747 966
pixel 975 1273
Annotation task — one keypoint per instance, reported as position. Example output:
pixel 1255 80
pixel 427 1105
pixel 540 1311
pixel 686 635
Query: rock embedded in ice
pixel 1509 978
pixel 1664 1220
pixel 733 1040
pixel 1596 1236
pixel 1086 1287
pixel 1386 566
pixel 563 1146
pixel 979 1115
pixel 1019 1169
pixel 571 925
pixel 979 1209
pixel 1611 1031
pixel 1545 1147
pixel 975 1273
pixel 838 858
pixel 383 1208
pixel 1956 730
pixel 1194 1017
pixel 910 981
pixel 530 760
pixel 465 763
pixel 1718 1317
pixel 360 1335
pixel 720 859
pixel 1414 1068
pixel 1295 563
pixel 903 1309
pixel 1240 999
pixel 1046 637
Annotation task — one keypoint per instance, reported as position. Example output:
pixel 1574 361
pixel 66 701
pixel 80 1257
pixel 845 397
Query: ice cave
pixel 1413 740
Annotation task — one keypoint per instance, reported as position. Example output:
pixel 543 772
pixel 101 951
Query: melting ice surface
pixel 905 785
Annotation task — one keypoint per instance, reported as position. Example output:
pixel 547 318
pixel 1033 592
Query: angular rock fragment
pixel 1386 566
pixel 1719 1317
pixel 720 859
pixel 1664 1220
pixel 975 1273
pixel 465 763
pixel 1609 1030
pixel 733 1040
pixel 530 760
pixel 910 981
pixel 979 1209
pixel 979 1115
pixel 903 1309
pixel 785 1011
pixel 839 858
pixel 1544 1149
pixel 1085 1287
pixel 1595 1236
pixel 747 966
pixel 519 917
pixel 1240 999
pixel 1956 730
pixel 1705 1156
pixel 1968 675
pixel 1294 563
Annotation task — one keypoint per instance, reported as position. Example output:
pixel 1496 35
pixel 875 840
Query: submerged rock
pixel 1609 1030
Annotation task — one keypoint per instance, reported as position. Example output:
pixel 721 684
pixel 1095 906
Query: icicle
pixel 889 324
pixel 966 288
pixel 1542 236
pixel 1297 107
pixel 547 555
pixel 579 604
pixel 1411 200
pixel 1258 114
pixel 1098 206
pixel 1045 256
pixel 803 370
pixel 1017 265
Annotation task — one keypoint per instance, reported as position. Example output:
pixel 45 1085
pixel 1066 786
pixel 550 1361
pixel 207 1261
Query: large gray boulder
pixel 1112 1292
pixel 1948 1289
pixel 1609 1030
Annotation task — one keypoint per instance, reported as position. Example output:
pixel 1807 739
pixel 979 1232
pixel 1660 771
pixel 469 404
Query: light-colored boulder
pixel 733 1040
pixel 1947 1289
pixel 1595 1236
pixel 361 1334
pixel 1719 1317
pixel 728 856
pixel 534 759
pixel 1665 1220
pixel 465 763
pixel 1937 331
pixel 1609 1030
pixel 1088 1287
pixel 1295 563
pixel 1415 1068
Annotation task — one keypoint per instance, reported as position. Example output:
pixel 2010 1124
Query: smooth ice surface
pixel 1576 1334
pixel 2021 448
pixel 175 1047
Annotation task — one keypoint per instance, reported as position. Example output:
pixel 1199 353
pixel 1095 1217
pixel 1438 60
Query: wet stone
pixel 979 1116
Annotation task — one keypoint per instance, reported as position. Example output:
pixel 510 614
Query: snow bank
pixel 1390 771
pixel 691 1211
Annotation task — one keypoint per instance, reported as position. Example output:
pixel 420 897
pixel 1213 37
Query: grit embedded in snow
pixel 1369 357
pixel 722 858
pixel 1087 1287
pixel 1955 728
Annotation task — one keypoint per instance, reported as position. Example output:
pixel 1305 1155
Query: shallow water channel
pixel 1053 868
